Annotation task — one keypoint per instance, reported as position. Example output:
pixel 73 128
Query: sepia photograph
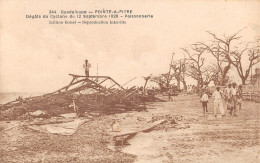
pixel 141 81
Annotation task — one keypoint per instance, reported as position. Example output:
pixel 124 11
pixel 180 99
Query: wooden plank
pixel 90 76
pixel 154 124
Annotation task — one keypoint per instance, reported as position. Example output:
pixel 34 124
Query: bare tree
pixel 222 64
pixel 196 61
pixel 220 48
pixel 179 72
pixel 162 80
pixel 210 73
pixel 253 55
pixel 197 69
pixel 167 78
pixel 147 78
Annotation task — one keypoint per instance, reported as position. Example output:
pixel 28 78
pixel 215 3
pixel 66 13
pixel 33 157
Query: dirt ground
pixel 186 136
pixel 207 139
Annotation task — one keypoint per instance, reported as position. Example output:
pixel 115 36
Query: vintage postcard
pixel 130 81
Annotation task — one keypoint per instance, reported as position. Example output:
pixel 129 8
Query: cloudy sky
pixel 37 57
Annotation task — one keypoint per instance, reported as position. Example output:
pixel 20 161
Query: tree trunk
pixel 243 81
pixel 160 86
pixel 224 75
pixel 178 83
pixel 184 85
pixel 145 84
pixel 167 83
pixel 201 83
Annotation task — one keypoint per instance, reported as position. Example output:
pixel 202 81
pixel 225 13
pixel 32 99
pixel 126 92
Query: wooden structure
pixel 101 92
pixel 93 94
pixel 80 83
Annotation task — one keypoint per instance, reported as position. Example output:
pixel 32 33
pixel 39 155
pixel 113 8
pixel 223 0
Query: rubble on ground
pixel 82 95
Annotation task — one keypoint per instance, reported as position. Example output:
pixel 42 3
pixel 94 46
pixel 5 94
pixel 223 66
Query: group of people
pixel 232 97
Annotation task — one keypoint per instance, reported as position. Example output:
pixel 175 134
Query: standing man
pixel 233 110
pixel 204 100
pixel 86 67
pixel 239 96
pixel 228 96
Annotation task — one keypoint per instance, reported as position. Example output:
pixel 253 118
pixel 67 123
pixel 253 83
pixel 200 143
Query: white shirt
pixel 234 91
pixel 216 95
pixel 204 97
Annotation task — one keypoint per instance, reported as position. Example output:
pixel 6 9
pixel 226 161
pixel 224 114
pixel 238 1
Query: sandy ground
pixel 186 137
pixel 207 139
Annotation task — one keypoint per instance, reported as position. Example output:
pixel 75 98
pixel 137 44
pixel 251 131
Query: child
pixel 204 100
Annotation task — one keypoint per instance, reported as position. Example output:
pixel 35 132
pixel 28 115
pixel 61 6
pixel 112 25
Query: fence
pixel 250 93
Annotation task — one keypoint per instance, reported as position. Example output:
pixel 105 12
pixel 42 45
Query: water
pixel 7 97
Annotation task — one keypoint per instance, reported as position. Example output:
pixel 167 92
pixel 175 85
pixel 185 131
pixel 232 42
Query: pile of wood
pixel 72 98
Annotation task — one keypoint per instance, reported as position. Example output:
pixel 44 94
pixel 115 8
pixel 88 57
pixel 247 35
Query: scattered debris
pixel 38 114
pixel 11 127
pixel 69 115
pixel 94 95
pixel 146 129
pixel 68 128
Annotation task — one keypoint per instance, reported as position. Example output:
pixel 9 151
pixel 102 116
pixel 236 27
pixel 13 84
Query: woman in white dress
pixel 218 103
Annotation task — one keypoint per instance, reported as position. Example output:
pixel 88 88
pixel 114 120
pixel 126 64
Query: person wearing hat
pixel 233 110
pixel 204 100
pixel 86 67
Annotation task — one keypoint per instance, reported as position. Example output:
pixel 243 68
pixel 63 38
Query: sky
pixel 37 57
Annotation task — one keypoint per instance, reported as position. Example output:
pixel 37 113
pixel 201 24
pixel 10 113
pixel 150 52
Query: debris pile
pixel 82 95
pixel 171 121
pixel 146 125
